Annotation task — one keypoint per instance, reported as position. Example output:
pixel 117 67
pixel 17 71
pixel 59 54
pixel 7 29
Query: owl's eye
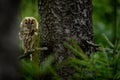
pixel 25 21
pixel 32 21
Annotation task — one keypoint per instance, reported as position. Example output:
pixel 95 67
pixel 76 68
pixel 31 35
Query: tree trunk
pixel 61 20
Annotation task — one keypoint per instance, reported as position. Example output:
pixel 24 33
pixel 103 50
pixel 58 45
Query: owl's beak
pixel 26 29
pixel 29 26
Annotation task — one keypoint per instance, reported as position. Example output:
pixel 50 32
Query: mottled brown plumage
pixel 28 33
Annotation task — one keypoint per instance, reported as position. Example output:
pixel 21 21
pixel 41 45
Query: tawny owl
pixel 28 33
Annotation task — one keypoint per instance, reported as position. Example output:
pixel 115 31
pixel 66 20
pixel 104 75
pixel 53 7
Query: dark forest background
pixel 106 22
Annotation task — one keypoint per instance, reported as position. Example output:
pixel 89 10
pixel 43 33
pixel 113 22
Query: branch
pixel 31 52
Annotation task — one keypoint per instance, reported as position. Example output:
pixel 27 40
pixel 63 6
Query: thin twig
pixel 31 52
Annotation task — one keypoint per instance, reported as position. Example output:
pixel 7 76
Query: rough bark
pixel 62 20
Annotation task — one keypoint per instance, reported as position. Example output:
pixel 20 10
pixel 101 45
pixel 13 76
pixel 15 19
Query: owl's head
pixel 29 23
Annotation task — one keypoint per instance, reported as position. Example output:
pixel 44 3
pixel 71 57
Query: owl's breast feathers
pixel 32 32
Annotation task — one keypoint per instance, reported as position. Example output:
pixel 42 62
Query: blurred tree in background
pixel 103 18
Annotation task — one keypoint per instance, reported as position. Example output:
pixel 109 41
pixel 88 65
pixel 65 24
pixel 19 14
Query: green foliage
pixel 101 65
pixel 103 19
pixel 32 71
pixel 28 8
pixel 28 70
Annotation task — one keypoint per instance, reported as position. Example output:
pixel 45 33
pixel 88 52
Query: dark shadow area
pixel 8 40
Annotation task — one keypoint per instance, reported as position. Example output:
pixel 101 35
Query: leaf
pixel 108 41
pixel 117 76
pixel 79 62
pixel 80 54
pixel 44 67
pixel 76 46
